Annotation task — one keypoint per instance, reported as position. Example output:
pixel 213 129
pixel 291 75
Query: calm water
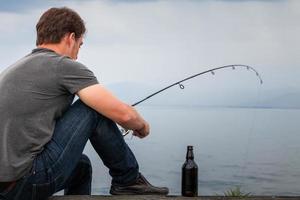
pixel 257 149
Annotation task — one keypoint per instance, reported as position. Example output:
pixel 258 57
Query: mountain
pixel 194 95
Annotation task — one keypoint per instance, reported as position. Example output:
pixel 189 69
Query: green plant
pixel 236 192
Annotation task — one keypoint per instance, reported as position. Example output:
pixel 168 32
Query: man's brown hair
pixel 56 22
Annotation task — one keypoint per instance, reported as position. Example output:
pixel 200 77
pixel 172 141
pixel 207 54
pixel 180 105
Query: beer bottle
pixel 189 179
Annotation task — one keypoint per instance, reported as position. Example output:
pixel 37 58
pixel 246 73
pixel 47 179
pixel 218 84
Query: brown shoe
pixel 140 187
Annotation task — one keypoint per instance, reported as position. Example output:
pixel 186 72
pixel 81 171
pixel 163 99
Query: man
pixel 42 135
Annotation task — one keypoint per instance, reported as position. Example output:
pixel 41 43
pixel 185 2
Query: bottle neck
pixel 189 153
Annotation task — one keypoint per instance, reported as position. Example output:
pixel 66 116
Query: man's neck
pixel 58 48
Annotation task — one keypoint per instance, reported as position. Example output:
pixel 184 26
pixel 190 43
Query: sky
pixel 137 47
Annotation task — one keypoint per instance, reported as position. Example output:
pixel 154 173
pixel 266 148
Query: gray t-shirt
pixel 34 93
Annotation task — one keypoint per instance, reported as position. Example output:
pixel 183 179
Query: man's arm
pixel 104 102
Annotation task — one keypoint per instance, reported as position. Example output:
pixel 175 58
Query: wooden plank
pixel 152 197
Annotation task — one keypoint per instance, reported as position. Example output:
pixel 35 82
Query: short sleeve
pixel 74 76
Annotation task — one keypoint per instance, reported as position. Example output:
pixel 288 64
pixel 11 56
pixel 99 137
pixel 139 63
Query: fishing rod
pixel 181 86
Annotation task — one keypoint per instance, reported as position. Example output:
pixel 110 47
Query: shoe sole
pixel 114 192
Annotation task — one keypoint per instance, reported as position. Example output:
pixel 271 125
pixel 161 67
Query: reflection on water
pixel 256 149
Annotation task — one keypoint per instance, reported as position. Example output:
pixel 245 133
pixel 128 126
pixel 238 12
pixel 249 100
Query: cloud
pixel 24 6
pixel 162 41
pixel 256 1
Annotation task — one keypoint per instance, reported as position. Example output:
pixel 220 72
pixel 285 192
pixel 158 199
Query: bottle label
pixel 190 182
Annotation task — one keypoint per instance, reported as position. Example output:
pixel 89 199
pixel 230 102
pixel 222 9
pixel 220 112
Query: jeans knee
pixel 85 108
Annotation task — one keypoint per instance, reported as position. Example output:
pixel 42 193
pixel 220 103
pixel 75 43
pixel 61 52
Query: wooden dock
pixel 150 197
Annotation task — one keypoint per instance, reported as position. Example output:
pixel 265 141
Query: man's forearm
pixel 101 100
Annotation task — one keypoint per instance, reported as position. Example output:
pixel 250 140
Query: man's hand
pixel 143 132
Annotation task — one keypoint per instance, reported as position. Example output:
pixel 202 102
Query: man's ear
pixel 72 35
pixel 69 38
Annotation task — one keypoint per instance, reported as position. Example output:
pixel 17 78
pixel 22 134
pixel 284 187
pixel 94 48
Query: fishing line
pixel 181 86
pixel 250 135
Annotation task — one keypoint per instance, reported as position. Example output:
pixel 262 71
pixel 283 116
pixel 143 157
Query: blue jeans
pixel 61 164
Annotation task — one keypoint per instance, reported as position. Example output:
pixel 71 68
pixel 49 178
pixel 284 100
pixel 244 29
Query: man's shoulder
pixel 68 64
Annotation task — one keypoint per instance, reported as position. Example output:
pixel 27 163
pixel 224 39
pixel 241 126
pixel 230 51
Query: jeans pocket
pixel 12 191
pixel 8 189
pixel 4 194
pixel 42 191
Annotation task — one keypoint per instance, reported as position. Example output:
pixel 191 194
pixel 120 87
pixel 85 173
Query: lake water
pixel 257 149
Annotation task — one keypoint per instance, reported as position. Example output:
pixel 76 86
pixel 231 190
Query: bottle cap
pixel 190 147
